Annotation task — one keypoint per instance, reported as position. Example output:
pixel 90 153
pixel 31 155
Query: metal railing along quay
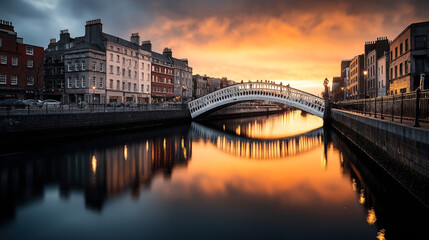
pixel 90 108
pixel 412 106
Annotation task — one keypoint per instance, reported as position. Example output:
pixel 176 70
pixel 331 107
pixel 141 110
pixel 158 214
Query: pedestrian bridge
pixel 251 91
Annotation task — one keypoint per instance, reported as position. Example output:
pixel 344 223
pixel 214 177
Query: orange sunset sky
pixel 300 42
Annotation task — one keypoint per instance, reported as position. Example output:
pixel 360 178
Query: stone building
pixel 182 76
pixel 200 86
pixel 21 66
pixel 85 66
pixel 409 57
pixel 54 65
pixel 371 79
pixel 383 75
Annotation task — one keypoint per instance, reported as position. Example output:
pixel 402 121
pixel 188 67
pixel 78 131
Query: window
pixel 396 71
pixel 148 66
pixel 118 84
pixel 69 83
pixel 30 63
pixel 142 87
pixel 123 86
pixel 403 90
pixel 111 69
pixel 111 84
pixel 68 67
pixel 29 50
pixel 135 87
pixel 391 73
pixel 406 67
pixel 117 58
pixel 401 49
pixel 396 52
pixel 94 67
pixel 123 72
pixel 135 74
pixel 420 42
pixel 94 81
pixel 147 88
pixel 129 86
pixel 129 73
pixel 111 57
pixel 83 81
pixel 118 70
pixel 101 82
pixel 126 51
pixel 123 60
pixel 1 43
pixel 3 78
pixel 76 82
pixel 3 59
pixel 14 80
pixel 101 67
pixel 406 45
pixel 14 61
pixel 30 81
pixel 76 66
pixel 83 66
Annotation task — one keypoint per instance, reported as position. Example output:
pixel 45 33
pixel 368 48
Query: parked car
pixel 82 104
pixel 51 102
pixel 115 104
pixel 130 104
pixel 33 103
pixel 12 102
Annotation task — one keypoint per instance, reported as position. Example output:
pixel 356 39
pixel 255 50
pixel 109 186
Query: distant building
pixel 21 66
pixel 373 51
pixel 162 81
pixel 345 67
pixel 200 86
pixel 383 75
pixel 409 57
pixel 54 65
pixel 337 88
pixel 355 88
pixel 371 79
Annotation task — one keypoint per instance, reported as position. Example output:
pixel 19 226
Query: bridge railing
pixel 395 107
pixel 90 108
pixel 264 89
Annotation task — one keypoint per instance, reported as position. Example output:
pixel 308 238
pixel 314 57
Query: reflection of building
pixel 21 65
pixel 122 163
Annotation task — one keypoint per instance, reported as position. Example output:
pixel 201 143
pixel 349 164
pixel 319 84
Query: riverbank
pixel 402 151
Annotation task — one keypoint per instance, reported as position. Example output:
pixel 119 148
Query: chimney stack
pixel 167 52
pixel 93 31
pixel 52 40
pixel 135 38
pixel 147 46
pixel 64 35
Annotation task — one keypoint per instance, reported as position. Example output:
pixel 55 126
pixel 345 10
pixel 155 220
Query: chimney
pixel 6 25
pixel 64 35
pixel 147 46
pixel 52 40
pixel 135 38
pixel 167 52
pixel 93 31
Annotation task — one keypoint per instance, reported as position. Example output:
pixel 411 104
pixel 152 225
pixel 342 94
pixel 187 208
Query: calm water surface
pixel 276 177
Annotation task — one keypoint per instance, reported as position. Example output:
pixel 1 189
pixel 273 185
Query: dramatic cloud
pixel 298 41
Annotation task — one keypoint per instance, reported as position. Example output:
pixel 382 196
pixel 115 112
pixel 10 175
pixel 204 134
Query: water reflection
pixel 102 169
pixel 256 148
pixel 191 178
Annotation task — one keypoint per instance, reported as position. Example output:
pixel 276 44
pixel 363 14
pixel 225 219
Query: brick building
pixel 21 66
pixel 355 88
pixel 409 57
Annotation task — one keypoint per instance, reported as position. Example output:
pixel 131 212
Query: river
pixel 282 176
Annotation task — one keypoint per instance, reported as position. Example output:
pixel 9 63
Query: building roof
pixel 412 25
pixel 121 41
pixel 160 57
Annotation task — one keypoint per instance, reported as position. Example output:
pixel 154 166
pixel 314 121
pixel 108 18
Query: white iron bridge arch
pixel 264 91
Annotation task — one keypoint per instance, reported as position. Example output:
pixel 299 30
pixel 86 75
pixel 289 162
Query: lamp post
pixel 365 73
pixel 184 88
pixel 93 94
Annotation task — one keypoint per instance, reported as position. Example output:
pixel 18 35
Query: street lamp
pixel 93 94
pixel 365 73
pixel 184 88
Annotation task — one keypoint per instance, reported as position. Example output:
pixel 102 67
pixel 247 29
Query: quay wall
pixel 402 150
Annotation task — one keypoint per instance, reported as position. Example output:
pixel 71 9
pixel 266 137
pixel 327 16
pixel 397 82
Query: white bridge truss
pixel 258 91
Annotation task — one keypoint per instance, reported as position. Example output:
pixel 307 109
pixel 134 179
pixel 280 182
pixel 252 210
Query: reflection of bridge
pixel 258 148
pixel 257 91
